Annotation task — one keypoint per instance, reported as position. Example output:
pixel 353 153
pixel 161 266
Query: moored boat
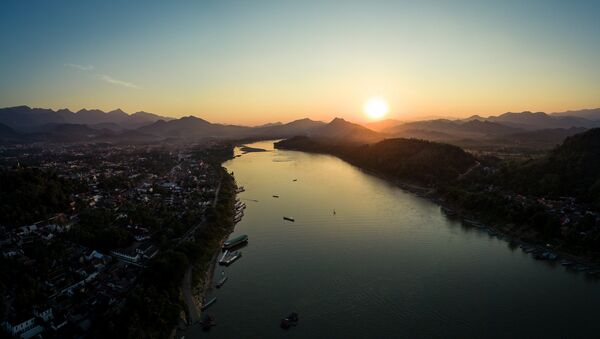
pixel 235 241
pixel 289 219
pixel 290 320
pixel 221 282
pixel 229 257
pixel 208 303
pixel 448 211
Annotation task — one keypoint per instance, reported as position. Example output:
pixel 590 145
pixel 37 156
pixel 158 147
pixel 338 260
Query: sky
pixel 254 62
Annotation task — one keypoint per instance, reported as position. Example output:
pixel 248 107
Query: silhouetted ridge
pixel 571 169
pixel 415 160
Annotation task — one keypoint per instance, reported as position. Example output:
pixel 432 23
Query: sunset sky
pixel 253 62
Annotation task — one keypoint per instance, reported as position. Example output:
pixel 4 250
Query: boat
pixel 235 241
pixel 224 255
pixel 289 219
pixel 448 211
pixel 229 257
pixel 546 255
pixel 473 223
pixel 275 196
pixel 295 180
pixel 290 320
pixel 221 282
pixel 208 303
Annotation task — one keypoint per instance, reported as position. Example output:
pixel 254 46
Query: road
pixel 188 298
pixel 194 313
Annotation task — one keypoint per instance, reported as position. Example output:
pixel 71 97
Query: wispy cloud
pixel 81 67
pixel 103 77
pixel 112 80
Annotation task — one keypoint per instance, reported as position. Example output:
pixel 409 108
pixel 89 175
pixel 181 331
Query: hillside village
pixel 66 271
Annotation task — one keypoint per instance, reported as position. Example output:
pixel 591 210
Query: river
pixel 387 264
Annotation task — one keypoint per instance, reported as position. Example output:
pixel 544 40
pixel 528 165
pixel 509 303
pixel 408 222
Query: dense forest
pixel 28 195
pixel 419 161
pixel 571 169
pixel 152 309
pixel 550 198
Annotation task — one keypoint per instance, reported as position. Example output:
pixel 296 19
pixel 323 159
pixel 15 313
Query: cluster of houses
pixel 76 285
pixel 84 283
pixel 569 213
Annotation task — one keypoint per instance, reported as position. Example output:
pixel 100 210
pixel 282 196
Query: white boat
pixel 229 257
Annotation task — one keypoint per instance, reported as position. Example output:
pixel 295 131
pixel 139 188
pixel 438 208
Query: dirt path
pixel 188 298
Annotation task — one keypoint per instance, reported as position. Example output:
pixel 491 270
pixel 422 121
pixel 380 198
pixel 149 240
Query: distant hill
pixel 71 133
pixel 541 120
pixel 9 135
pixel 590 114
pixel 524 130
pixel 193 127
pixel 343 130
pixel 419 161
pixel 453 129
pixel 29 119
pixel 379 126
pixel 296 127
pixel 505 129
pixel 544 138
pixel 24 118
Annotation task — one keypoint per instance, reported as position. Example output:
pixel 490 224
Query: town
pixel 124 205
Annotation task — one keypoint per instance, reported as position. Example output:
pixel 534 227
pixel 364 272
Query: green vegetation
pixel 554 197
pixel 419 161
pixel 97 230
pixel 549 199
pixel 152 308
pixel 571 169
pixel 28 195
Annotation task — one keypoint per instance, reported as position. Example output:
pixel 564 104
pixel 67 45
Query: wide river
pixel 386 264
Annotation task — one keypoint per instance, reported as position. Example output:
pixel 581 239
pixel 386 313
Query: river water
pixel 387 264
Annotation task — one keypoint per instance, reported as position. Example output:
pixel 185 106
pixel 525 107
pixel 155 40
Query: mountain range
pixel 25 124
pixel 524 129
pixel 27 119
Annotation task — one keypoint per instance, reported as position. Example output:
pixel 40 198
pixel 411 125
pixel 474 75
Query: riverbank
pixel 193 297
pixel 246 149
pixel 517 236
pixel 219 225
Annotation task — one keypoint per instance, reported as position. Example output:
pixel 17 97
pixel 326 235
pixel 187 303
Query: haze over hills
pixel 341 129
pixel 525 129
pixel 591 114
pixel 379 126
pixel 453 129
pixel 27 119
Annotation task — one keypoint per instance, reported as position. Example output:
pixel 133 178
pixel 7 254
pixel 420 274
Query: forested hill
pixel 571 169
pixel 28 195
pixel 419 161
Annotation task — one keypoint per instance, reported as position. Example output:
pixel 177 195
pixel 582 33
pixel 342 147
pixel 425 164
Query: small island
pixel 245 149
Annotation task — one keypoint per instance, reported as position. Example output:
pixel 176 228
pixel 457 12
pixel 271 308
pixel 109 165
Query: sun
pixel 376 108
